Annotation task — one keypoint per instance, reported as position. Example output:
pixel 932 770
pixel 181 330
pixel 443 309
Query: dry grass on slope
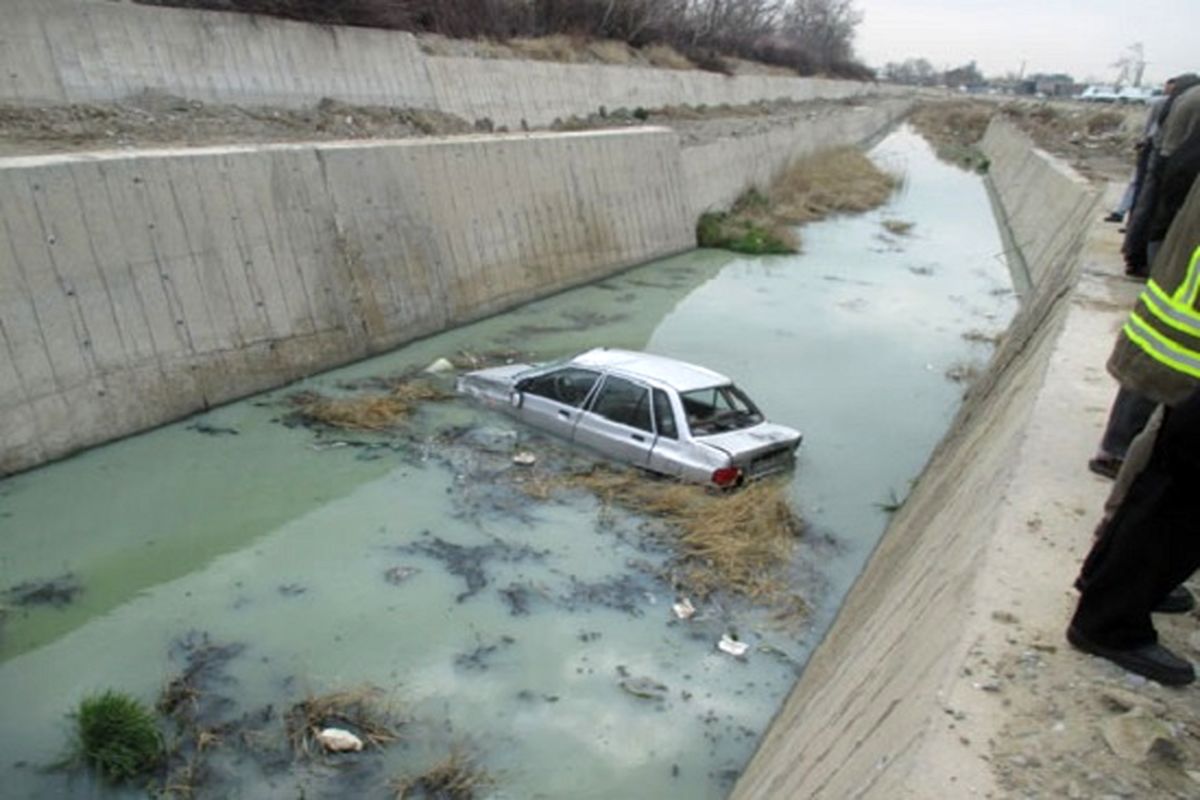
pixel 835 181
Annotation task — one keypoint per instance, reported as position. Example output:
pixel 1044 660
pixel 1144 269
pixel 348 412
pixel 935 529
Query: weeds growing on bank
pixel 954 128
pixel 840 180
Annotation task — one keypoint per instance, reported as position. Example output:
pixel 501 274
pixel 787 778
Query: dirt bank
pixel 154 120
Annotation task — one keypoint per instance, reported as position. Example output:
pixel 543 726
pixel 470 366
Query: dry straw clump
pixel 836 181
pixel 361 710
pixel 732 541
pixel 368 412
pixel 455 777
pixel 839 180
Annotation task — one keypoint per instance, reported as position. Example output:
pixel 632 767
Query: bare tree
pixel 825 28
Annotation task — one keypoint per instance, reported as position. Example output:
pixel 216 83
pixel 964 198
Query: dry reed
pixel 835 181
pixel 455 777
pixel 367 412
pixel 733 541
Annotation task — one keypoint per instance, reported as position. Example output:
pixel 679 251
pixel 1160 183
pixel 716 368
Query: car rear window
pixel 718 409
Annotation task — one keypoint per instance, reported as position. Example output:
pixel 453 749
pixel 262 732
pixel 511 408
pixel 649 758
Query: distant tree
pixel 966 75
pixel 825 28
pixel 914 71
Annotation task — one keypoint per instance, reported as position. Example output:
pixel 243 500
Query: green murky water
pixel 492 621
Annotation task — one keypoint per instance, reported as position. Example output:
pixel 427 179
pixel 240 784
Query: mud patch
pixel 479 659
pixel 57 592
pixel 470 562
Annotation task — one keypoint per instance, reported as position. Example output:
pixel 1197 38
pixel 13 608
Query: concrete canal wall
pixel 868 716
pixel 78 51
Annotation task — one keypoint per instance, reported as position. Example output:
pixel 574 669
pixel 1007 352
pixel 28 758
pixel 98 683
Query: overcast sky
pixel 1079 37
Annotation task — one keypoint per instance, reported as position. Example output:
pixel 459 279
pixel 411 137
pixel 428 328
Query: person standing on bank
pixel 1173 168
pixel 1148 545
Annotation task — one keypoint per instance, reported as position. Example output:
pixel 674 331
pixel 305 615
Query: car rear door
pixel 617 422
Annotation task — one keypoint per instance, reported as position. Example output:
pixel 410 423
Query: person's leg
pixel 1150 544
pixel 1136 459
pixel 1129 413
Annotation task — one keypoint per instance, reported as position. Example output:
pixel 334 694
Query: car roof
pixel 679 375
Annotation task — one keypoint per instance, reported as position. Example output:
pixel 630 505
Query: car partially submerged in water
pixel 653 412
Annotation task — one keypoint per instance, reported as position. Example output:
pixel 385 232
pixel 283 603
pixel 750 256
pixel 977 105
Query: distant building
pixel 1055 85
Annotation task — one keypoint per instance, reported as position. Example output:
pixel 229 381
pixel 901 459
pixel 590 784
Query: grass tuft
pixel 455 777
pixel 117 736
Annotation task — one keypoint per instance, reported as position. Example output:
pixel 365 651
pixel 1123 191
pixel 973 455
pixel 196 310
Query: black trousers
pixel 1150 544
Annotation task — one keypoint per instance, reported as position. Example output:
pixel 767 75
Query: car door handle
pixel 637 437
pixel 565 414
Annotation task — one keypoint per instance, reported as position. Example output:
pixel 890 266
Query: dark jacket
pixel 1158 352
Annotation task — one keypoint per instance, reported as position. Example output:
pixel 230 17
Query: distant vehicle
pixel 653 412
pixel 1136 94
pixel 1099 94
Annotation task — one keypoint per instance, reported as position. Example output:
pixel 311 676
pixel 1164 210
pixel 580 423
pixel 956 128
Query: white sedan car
pixel 653 412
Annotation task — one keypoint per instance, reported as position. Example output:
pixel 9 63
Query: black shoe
pixel 1151 661
pixel 1114 217
pixel 1178 601
pixel 1106 466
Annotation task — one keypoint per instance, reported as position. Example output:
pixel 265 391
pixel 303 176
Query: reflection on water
pixel 511 625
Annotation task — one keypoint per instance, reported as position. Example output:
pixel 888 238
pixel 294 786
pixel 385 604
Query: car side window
pixel 624 402
pixel 664 416
pixel 569 386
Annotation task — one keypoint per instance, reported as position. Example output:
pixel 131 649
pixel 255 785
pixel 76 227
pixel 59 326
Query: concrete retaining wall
pixel 716 173
pixel 71 51
pixel 140 288
pixel 869 699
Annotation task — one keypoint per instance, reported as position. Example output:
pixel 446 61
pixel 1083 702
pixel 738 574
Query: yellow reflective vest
pixel 1158 353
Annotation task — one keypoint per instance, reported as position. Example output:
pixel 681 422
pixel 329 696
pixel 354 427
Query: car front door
pixel 552 401
pixel 618 422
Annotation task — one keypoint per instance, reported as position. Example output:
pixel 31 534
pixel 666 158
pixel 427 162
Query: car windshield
pixel 719 409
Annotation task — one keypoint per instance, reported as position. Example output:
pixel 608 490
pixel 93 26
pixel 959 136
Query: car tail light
pixel 726 476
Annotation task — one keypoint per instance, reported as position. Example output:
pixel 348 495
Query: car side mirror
pixel 517 398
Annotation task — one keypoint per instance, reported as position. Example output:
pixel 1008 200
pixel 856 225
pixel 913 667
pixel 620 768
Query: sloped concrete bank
pixel 141 287
pixel 80 51
pixel 866 717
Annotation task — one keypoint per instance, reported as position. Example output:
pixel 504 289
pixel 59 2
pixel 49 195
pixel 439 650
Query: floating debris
pixel 643 688
pixel 399 574
pixel 684 609
pixel 338 740
pixel 440 366
pixel 524 459
pixel 212 430
pixel 732 646
pixel 360 711
pixel 898 227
